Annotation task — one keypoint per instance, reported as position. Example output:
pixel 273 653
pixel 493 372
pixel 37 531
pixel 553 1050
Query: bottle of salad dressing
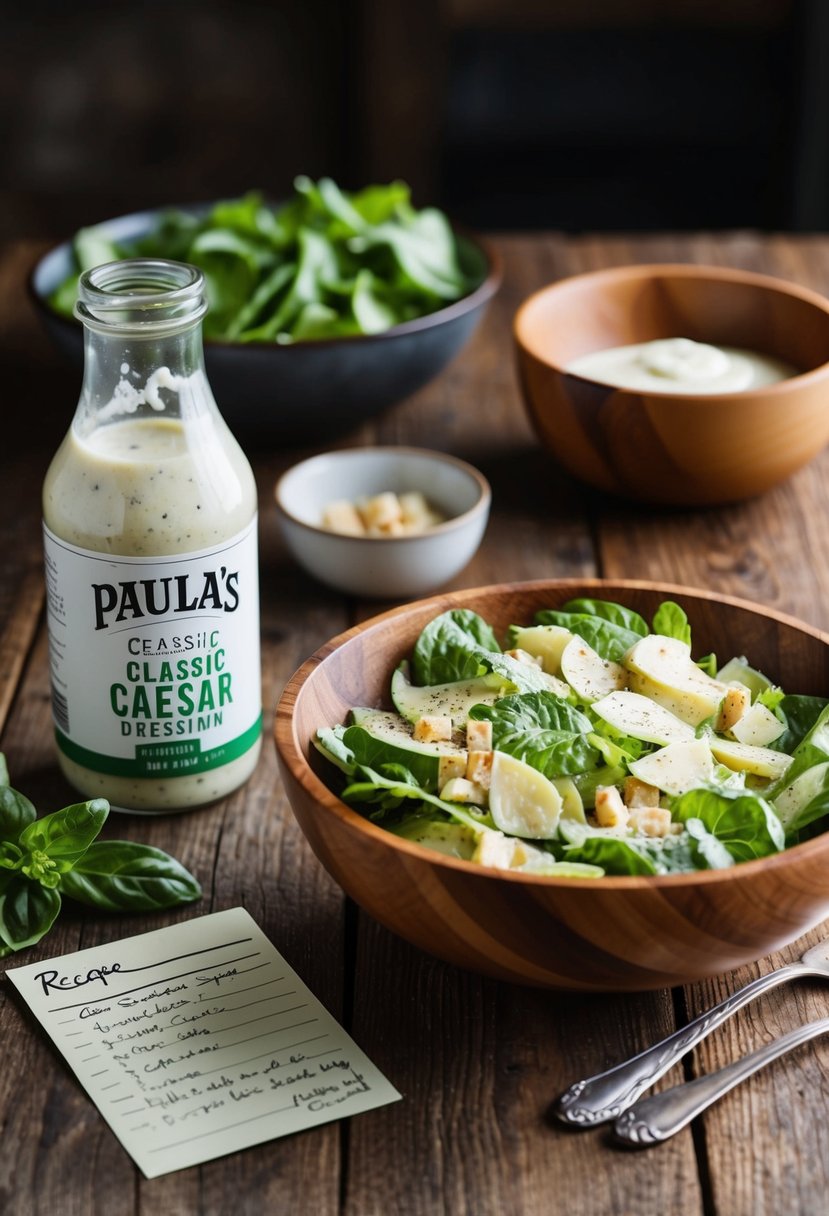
pixel 149 512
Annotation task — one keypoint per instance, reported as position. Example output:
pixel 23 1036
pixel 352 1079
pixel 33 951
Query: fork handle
pixel 603 1097
pixel 657 1118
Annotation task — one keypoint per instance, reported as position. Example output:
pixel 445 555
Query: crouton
pixel 732 707
pixel 650 821
pixel 479 768
pixel 451 766
pixel 459 789
pixel 611 812
pixel 433 728
pixel 640 793
pixel 479 736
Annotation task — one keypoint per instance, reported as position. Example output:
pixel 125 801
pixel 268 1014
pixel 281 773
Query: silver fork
pixel 603 1097
pixel 662 1115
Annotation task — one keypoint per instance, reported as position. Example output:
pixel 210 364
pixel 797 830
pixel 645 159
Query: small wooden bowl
pixel 610 934
pixel 668 448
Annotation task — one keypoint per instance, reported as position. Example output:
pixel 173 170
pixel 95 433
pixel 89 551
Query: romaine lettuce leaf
pixel 329 743
pixel 450 646
pixel 671 622
pixel 371 751
pixel 389 787
pixel 799 796
pixel 810 819
pixel 609 639
pixel 818 733
pixel 800 713
pixel 587 783
pixel 615 854
pixel 694 849
pixel 626 618
pixel 742 821
pixel 543 731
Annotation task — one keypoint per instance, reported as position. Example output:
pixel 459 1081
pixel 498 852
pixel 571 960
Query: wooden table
pixel 478 1062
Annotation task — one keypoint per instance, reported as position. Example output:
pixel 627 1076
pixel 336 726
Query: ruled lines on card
pixel 198 1040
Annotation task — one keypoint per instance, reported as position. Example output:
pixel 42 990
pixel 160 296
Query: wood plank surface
pixel 478 1062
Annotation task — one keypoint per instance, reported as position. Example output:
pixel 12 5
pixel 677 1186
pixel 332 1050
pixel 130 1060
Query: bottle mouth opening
pixel 149 295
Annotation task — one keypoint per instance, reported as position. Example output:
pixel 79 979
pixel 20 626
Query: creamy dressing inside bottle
pixel 150 534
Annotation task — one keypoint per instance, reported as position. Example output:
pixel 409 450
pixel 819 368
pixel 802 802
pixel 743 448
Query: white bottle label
pixel 154 661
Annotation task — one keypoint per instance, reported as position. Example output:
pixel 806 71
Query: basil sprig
pixel 43 858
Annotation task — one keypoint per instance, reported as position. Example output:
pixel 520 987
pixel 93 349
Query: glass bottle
pixel 149 510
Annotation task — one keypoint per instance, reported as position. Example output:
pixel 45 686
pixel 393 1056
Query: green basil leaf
pixel 16 813
pixel 119 876
pixel 27 910
pixel 10 855
pixel 4 771
pixel 376 204
pixel 264 296
pixel 371 310
pixel 66 835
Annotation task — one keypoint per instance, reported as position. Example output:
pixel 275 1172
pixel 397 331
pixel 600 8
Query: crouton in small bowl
pixel 383 522
pixel 682 385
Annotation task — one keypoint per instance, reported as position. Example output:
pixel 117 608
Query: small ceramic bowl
pixel 279 395
pixel 383 567
pixel 659 447
pixel 609 934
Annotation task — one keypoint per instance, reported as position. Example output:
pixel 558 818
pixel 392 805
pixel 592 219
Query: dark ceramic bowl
pixel 301 392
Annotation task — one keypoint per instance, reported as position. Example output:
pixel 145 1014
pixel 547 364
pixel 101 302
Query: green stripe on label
pixel 166 758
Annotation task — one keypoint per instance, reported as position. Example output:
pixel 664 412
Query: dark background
pixel 565 114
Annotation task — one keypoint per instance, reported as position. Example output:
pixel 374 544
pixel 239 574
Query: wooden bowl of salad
pixel 685 385
pixel 585 785
pixel 324 310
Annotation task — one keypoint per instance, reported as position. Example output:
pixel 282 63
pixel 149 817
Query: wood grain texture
pixel 479 1061
pixel 578 1036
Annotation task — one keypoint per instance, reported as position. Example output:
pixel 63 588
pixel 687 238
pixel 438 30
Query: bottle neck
pixel 143 344
pixel 131 376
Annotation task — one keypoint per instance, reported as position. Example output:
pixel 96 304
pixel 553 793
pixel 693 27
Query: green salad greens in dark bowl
pixel 324 309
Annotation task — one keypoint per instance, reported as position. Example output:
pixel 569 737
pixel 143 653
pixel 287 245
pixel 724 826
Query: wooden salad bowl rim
pixel 293 750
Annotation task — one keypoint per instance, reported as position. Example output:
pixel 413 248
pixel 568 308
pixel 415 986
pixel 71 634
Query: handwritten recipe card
pixel 198 1040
